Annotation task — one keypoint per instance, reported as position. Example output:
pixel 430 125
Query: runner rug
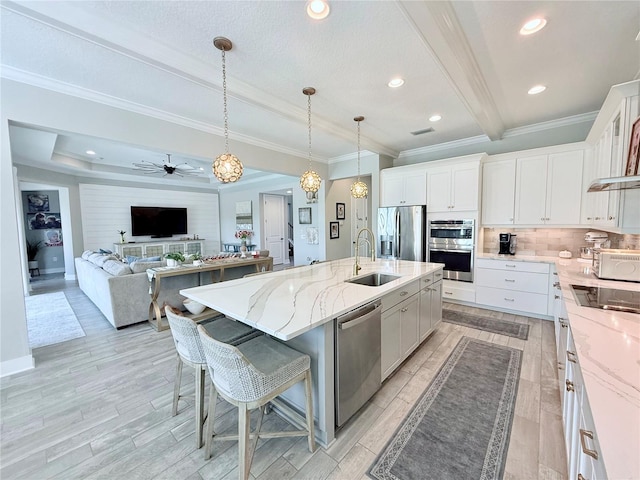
pixel 460 426
pixel 50 319
pixel 493 325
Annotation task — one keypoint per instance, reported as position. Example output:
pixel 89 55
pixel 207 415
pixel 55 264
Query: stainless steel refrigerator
pixel 402 233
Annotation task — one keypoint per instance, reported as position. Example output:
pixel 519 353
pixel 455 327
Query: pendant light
pixel 359 189
pixel 226 167
pixel 310 180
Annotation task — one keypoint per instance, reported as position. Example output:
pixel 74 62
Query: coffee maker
pixel 507 244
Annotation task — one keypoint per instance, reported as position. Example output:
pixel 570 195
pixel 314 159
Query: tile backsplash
pixel 550 241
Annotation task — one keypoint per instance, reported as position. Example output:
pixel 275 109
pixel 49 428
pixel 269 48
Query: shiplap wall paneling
pixel 106 209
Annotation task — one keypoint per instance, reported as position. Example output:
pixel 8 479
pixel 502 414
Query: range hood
pixel 615 183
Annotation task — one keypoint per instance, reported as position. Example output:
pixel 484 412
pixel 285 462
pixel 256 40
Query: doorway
pixel 274 225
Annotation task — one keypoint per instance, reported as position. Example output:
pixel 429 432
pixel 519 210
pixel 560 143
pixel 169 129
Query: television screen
pixel 158 221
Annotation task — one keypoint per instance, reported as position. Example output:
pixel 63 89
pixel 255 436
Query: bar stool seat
pixel 190 352
pixel 249 376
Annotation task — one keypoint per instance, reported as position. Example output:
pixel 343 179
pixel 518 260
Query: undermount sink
pixel 373 279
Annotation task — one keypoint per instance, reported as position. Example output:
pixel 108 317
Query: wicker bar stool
pixel 189 348
pixel 249 376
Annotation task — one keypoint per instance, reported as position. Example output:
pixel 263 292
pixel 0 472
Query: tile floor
pixel 100 407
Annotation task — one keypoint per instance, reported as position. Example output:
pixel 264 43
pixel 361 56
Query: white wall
pixel 106 211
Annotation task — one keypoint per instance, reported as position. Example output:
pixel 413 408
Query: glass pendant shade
pixel 227 168
pixel 359 189
pixel 310 181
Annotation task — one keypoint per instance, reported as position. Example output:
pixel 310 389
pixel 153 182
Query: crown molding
pixel 21 76
pixel 551 124
pixel 464 142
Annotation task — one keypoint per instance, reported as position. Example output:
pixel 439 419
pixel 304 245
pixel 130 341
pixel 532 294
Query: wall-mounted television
pixel 158 222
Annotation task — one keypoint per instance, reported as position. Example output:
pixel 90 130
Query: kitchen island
pixel 299 305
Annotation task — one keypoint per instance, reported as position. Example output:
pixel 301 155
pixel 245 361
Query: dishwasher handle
pixel 357 320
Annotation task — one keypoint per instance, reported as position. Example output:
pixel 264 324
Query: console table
pixel 235 247
pixel 217 269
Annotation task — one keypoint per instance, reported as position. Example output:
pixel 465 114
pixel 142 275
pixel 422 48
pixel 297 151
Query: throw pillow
pixel 131 259
pixel 103 251
pixel 86 253
pixel 116 268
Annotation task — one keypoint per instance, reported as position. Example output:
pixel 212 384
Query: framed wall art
pixel 340 215
pixel 634 150
pixel 304 215
pixel 334 230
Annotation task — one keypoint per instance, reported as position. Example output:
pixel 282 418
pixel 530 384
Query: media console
pixel 159 247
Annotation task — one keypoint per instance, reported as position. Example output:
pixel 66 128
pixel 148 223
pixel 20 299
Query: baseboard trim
pixel 69 276
pixel 16 365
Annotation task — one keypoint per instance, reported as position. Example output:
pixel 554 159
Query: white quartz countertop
pixel 608 349
pixel 290 302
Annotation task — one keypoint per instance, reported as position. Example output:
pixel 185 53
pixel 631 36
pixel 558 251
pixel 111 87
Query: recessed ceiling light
pixel 289 191
pixel 533 26
pixel 537 89
pixel 435 118
pixel 201 169
pixel 90 152
pixel 318 9
pixel 396 82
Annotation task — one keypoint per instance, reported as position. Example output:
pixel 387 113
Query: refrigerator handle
pixel 397 235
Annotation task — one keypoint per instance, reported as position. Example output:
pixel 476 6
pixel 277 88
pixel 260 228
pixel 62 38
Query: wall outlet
pixel 55 259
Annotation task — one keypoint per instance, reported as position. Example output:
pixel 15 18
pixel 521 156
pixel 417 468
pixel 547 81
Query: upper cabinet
pixel 615 210
pixel 453 187
pixel 403 186
pixel 548 189
pixel 498 192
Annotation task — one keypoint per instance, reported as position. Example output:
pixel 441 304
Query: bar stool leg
pixel 176 386
pixel 211 416
pixel 200 373
pixel 243 441
pixel 309 403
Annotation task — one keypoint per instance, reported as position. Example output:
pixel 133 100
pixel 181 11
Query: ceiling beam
pixel 441 33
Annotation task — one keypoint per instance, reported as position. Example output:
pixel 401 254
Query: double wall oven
pixel 452 242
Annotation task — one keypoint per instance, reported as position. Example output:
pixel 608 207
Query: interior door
pixel 274 227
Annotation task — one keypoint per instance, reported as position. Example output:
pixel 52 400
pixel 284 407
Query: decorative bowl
pixel 193 306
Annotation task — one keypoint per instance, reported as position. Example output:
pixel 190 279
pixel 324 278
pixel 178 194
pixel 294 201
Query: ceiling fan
pixel 167 168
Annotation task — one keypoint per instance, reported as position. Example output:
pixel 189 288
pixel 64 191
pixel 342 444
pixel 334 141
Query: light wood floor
pixel 100 407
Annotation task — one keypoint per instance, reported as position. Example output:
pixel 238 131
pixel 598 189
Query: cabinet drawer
pixel 400 294
pixel 516 266
pixel 426 281
pixel 451 291
pixel 522 281
pixel 512 300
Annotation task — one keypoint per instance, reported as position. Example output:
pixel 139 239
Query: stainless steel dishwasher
pixel 358 371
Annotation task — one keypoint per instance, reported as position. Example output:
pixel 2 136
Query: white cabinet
pixel 549 189
pixel 498 192
pixel 401 186
pixel 518 286
pixel 584 457
pixel 453 188
pixel 157 249
pixel 430 303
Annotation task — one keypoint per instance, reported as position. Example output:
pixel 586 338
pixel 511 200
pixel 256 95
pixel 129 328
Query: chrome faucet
pixel 357 267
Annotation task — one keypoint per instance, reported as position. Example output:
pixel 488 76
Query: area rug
pixel 50 319
pixel 492 325
pixel 460 426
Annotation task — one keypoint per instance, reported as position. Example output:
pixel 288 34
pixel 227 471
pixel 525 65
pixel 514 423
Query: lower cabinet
pixel 511 285
pixel 584 460
pixel 408 317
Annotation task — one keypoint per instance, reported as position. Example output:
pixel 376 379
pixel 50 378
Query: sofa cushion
pixel 86 253
pixel 131 259
pixel 99 262
pixel 116 268
pixel 140 266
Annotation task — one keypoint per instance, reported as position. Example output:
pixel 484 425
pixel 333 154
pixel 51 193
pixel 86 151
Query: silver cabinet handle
pixel 510 266
pixel 571 356
pixel 562 323
pixel 556 284
pixel 404 309
pixel 583 443
pixel 569 385
pixel 556 297
pixel 403 293
pixel 508 280
pixel 509 299
pixel 447 293
pixel 438 274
